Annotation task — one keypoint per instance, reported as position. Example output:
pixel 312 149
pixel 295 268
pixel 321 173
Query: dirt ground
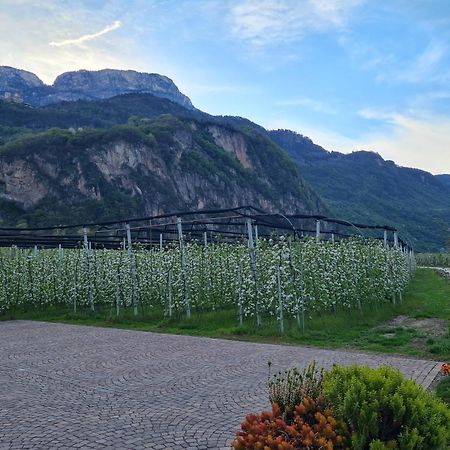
pixel 433 328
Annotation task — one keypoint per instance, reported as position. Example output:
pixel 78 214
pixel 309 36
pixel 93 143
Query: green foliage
pixel 427 294
pixel 287 389
pixel 92 114
pixel 433 259
pixel 212 279
pixel 177 148
pixel 364 188
pixel 55 140
pixel 385 411
pixel 443 390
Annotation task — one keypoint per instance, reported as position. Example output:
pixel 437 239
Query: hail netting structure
pixel 220 225
pixel 256 264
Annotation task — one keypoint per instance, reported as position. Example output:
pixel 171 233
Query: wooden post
pixel 385 239
pixel 205 238
pixel 395 239
pixel 133 272
pixel 317 231
pixel 160 242
pixel 251 246
pixel 332 238
pixel 183 268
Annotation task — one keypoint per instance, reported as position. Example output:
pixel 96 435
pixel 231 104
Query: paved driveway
pixel 64 386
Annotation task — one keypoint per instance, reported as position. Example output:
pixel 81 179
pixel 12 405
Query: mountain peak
pixel 20 85
pixel 16 80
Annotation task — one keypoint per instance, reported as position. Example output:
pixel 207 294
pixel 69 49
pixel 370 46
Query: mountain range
pixel 23 86
pixel 110 144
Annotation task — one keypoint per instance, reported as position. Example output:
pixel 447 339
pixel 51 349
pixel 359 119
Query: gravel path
pixel 66 386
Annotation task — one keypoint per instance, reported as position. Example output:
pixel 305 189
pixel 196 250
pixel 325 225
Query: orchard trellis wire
pixel 260 265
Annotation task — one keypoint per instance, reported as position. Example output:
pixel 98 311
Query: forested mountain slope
pixel 363 187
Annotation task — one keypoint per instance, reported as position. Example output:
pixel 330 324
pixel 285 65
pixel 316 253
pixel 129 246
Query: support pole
pixel 169 286
pixel 160 242
pixel 133 272
pixel 118 292
pixel 395 239
pixel 183 268
pixel 251 246
pixel 317 231
pixel 88 262
pixel 239 283
pixel 302 291
pixel 385 239
pixel 280 302
pixel 75 291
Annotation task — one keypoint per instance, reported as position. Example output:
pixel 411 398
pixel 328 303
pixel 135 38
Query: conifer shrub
pixel 385 411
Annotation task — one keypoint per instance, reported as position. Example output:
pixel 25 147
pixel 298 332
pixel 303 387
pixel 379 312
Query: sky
pixel 349 74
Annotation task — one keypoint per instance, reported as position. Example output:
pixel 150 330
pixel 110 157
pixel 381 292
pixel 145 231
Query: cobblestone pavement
pixel 65 386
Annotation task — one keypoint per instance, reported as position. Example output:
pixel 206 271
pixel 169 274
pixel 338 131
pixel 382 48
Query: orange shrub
pixel 310 426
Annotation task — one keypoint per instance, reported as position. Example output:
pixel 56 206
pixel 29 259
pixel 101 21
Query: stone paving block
pixel 67 386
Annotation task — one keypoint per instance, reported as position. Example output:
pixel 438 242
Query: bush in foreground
pixel 310 426
pixel 385 411
pixel 354 407
pixel 287 389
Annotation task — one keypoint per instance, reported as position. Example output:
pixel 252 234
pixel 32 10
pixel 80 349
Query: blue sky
pixel 350 74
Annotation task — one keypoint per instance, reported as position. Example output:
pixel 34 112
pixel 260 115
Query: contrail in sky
pixel 88 37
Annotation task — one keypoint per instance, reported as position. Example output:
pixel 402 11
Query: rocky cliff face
pixel 162 166
pixel 22 86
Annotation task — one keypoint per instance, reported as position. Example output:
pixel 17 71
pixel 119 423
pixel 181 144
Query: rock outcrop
pixel 22 86
pixel 160 165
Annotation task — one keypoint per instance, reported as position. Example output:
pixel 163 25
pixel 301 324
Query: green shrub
pixel 385 411
pixel 443 390
pixel 287 389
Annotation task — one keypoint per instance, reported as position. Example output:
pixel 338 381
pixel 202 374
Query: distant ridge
pixel 25 87
pixel 363 186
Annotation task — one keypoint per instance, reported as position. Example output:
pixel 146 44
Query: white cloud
pixel 88 37
pixel 414 141
pixel 30 50
pixel 266 22
pixel 375 114
pixel 426 67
